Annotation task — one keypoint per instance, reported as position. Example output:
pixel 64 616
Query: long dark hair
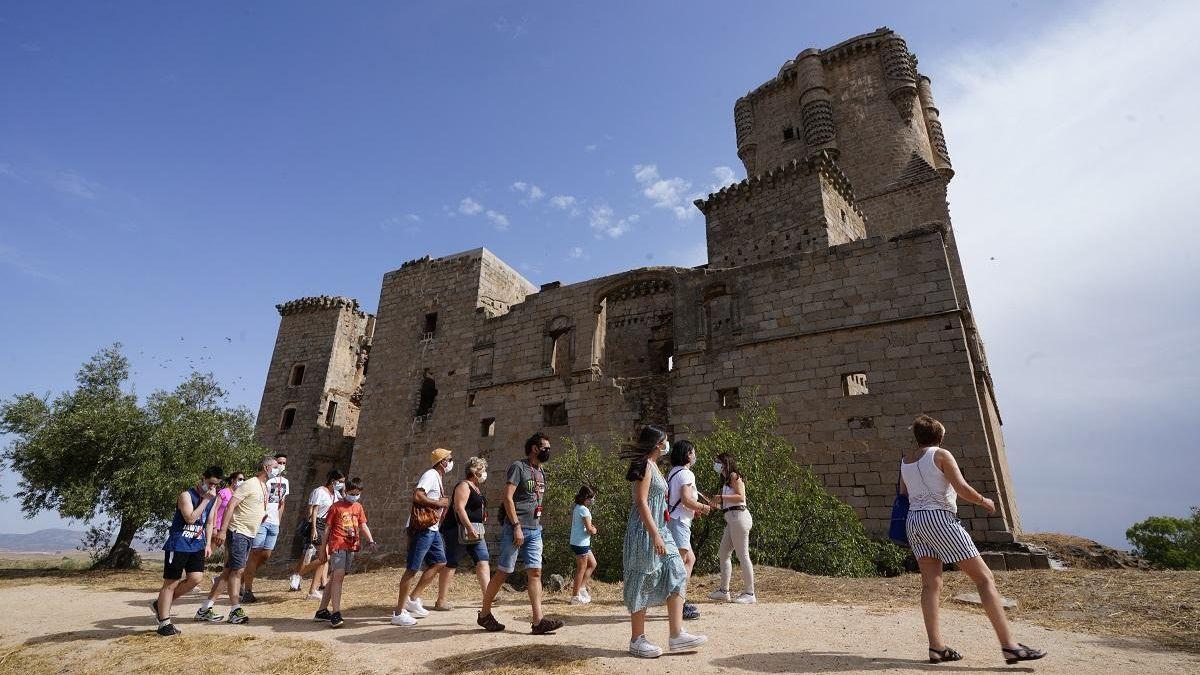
pixel 639 452
pixel 585 493
pixel 680 452
pixel 730 463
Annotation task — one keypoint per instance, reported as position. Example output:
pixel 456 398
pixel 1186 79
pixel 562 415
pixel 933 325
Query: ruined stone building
pixel 833 288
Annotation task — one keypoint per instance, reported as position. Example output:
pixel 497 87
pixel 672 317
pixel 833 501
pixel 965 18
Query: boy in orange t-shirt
pixel 345 530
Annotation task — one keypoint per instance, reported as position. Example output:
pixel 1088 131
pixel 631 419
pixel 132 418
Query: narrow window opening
pixel 289 417
pixel 854 384
pixel 297 377
pixel 430 326
pixel 789 133
pixel 487 427
pixel 428 397
pixel 331 414
pixel 470 400
pixel 729 398
pixel 554 414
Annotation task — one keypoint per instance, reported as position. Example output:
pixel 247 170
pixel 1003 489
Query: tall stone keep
pixel 312 398
pixel 833 290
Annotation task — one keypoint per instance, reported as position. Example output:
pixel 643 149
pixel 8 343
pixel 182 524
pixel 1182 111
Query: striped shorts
pixel 939 534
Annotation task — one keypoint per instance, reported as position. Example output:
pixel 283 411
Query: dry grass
pixel 1083 553
pixel 145 653
pixel 521 660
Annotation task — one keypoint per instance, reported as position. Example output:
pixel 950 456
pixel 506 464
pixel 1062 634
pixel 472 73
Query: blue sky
pixel 168 173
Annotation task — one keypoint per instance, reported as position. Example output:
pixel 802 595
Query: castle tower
pixel 310 404
pixel 418 398
pixel 861 122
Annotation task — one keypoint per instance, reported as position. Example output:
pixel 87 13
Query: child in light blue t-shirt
pixel 581 544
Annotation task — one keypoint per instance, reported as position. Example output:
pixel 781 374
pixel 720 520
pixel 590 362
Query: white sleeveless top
pixel 928 489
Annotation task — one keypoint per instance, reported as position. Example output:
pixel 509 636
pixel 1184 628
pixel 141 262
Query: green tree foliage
pixel 94 454
pixel 798 524
pixel 1173 543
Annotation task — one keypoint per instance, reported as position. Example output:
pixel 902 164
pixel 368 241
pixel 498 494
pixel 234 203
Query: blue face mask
pixel 353 498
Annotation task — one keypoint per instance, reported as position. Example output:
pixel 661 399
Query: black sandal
pixel 1022 653
pixel 947 654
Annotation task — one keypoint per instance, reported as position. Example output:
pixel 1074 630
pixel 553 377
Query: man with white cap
pixel 425 545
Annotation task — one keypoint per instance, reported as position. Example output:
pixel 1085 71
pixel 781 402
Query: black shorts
pixel 304 536
pixel 175 563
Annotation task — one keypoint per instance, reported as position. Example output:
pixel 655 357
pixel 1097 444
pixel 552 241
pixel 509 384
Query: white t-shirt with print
pixel 680 476
pixel 431 483
pixel 277 491
pixel 322 499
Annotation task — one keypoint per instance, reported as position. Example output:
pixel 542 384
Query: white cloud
pixel 575 253
pixel 666 193
pixel 412 217
pixel 532 192
pixel 1073 215
pixel 590 147
pixel 566 203
pixel 604 221
pixel 725 177
pixel 498 219
pixel 469 207
pixel 73 184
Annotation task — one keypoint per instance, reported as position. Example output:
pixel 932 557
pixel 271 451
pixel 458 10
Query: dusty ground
pixel 101 623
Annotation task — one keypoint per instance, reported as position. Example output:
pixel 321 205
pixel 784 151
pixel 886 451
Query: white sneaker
pixel 415 608
pixel 685 641
pixel 642 648
pixel 720 594
pixel 587 595
pixel 746 599
pixel 315 595
pixel 578 600
pixel 294 582
pixel 403 619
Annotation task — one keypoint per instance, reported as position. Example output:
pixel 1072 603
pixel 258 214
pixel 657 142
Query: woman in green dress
pixel 654 572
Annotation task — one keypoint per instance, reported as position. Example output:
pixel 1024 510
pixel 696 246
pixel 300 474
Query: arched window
pixel 560 345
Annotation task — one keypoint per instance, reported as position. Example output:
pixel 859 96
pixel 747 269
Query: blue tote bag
pixel 898 532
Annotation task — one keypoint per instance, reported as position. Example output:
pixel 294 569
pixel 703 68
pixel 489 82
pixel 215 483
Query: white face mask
pixel 275 471
pixel 718 467
pixel 482 476
pixel 449 466
pixel 666 448
pixel 353 498
pixel 339 486
pixel 235 485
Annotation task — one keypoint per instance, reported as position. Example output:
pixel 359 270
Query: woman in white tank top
pixel 933 482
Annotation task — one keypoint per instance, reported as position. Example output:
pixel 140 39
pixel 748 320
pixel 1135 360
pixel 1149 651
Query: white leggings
pixel 737 538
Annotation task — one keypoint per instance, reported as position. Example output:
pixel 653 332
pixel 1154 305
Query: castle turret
pixel 311 400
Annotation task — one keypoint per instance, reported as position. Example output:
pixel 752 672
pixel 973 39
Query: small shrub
pixel 1173 543
pixel 798 524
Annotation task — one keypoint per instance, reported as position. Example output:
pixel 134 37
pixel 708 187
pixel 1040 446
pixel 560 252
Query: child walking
pixel 345 529
pixel 581 544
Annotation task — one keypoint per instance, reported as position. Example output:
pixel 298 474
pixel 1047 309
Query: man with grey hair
pixel 246 510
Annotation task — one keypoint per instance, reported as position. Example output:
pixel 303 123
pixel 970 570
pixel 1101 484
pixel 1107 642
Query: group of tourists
pixel 445 527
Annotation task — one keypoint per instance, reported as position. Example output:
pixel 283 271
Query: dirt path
pixel 85 624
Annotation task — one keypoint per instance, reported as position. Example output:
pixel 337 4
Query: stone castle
pixel 833 289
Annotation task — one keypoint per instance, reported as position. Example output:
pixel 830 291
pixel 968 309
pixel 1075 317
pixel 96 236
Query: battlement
pixel 821 163
pixel 317 303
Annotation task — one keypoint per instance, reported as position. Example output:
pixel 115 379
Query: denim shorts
pixel 238 548
pixel 455 551
pixel 341 560
pixel 268 533
pixel 681 533
pixel 580 550
pixel 530 550
pixel 425 547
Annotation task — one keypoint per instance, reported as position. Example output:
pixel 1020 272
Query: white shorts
pixel 939 534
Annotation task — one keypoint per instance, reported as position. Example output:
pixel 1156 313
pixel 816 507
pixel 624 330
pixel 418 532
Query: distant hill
pixel 54 540
pixel 42 541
